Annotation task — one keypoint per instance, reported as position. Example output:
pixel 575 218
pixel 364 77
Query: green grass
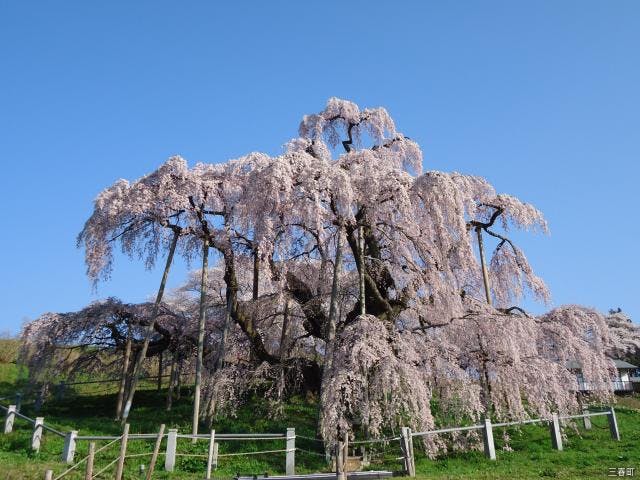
pixel 587 454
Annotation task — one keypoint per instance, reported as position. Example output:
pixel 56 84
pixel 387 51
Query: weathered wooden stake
pixel 142 354
pixel 613 425
pixel 487 436
pixel 170 455
pixel 365 455
pixel 586 420
pixel 36 436
pixel 69 449
pixel 88 473
pixel 123 451
pixel 556 434
pixel 48 475
pixel 406 442
pixel 485 272
pixel 9 419
pixel 290 464
pixel 123 379
pixel 212 441
pixel 340 462
pixel 156 451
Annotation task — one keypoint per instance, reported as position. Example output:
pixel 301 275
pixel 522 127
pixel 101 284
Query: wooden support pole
pixel 290 463
pixel 483 263
pixel 36 436
pixel 487 437
pixel 586 420
pixel 170 454
pixel 123 451
pixel 556 433
pixel 69 449
pixel 613 425
pixel 88 473
pixel 142 354
pixel 212 442
pixel 48 475
pixel 407 452
pixel 123 379
pixel 340 462
pixel 9 419
pixel 156 451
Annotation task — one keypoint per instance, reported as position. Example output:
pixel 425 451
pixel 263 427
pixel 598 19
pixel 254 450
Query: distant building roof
pixel 572 364
pixel 623 364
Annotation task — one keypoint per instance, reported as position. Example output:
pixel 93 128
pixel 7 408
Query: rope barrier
pixel 105 468
pixel 253 453
pixel 376 440
pixel 310 438
pixel 134 455
pixel 85 459
pixel 310 452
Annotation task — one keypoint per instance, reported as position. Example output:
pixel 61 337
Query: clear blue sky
pixel 541 97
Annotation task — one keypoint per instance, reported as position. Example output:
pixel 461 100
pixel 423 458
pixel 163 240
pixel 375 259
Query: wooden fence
pixel 340 450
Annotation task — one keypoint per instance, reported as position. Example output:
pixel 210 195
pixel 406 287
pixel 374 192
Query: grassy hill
pixel 89 409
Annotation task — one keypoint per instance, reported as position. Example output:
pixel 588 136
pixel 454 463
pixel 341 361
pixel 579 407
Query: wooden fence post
pixel 586 420
pixel 613 425
pixel 123 451
pixel 406 442
pixel 69 446
pixel 36 436
pixel 156 451
pixel 556 434
pixel 341 462
pixel 88 473
pixel 48 475
pixel 9 419
pixel 290 463
pixel 487 437
pixel 212 441
pixel 170 455
pixel 18 401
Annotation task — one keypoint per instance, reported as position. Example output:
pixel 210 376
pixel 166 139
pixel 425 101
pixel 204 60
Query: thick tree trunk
pixel 237 313
pixel 225 334
pixel 283 333
pixel 201 328
pixel 485 272
pixel 150 328
pixel 125 371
